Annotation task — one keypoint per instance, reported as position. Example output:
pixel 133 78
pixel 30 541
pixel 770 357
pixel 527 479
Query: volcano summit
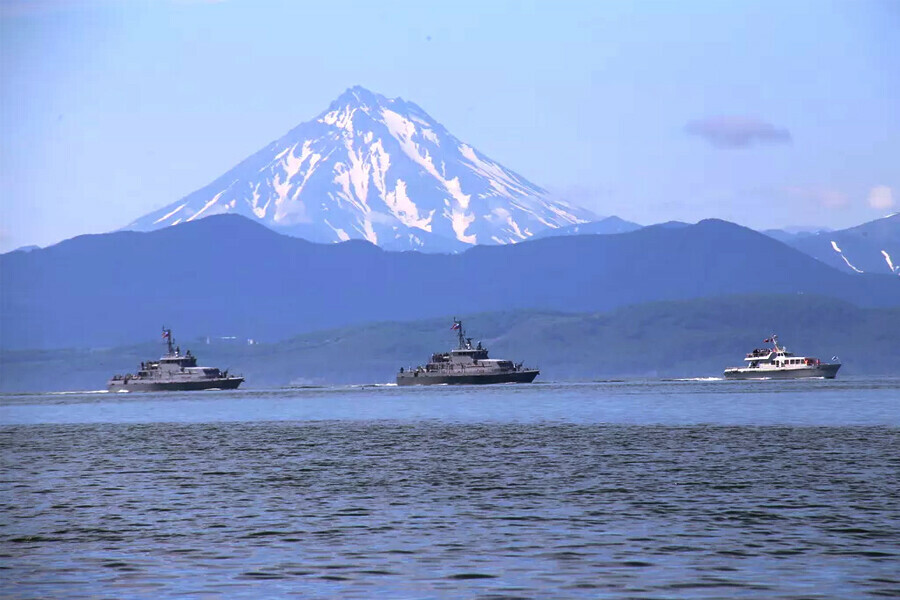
pixel 382 170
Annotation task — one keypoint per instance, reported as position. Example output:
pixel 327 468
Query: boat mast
pixel 167 333
pixel 775 342
pixel 457 325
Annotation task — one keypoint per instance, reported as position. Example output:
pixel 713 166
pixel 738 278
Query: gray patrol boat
pixel 174 372
pixel 466 364
pixel 777 363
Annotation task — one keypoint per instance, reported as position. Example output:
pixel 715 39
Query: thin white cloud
pixel 881 198
pixel 737 132
pixel 826 197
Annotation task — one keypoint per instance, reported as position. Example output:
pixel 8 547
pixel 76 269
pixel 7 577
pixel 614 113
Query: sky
pixel 781 114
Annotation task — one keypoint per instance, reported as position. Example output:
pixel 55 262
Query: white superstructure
pixel 777 363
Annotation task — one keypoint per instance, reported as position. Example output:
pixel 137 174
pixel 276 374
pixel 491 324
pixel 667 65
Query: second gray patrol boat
pixel 466 364
pixel 174 372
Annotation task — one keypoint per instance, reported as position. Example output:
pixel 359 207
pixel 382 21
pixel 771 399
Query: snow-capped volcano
pixel 379 169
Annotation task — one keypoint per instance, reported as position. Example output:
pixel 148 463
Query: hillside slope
pixel 696 338
pixel 226 275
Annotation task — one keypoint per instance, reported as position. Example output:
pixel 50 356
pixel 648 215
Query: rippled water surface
pixel 605 490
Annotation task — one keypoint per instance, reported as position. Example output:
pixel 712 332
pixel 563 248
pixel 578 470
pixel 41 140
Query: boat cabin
pixel 467 355
pixel 777 357
pixel 179 361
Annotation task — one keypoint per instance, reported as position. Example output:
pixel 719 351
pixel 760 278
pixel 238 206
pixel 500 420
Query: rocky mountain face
pixel 382 170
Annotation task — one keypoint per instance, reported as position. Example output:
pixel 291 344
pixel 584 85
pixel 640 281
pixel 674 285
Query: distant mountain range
pixel 601 227
pixel 789 234
pixel 872 247
pixel 379 169
pixel 695 338
pixel 227 275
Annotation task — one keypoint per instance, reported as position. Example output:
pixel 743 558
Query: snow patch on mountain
pixel 890 263
pixel 207 206
pixel 838 250
pixel 379 169
pixel 167 215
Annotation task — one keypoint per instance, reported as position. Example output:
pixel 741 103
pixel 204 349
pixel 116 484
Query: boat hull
pixel 431 378
pixel 819 371
pixel 139 385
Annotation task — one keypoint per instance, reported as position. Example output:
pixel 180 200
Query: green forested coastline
pixel 696 338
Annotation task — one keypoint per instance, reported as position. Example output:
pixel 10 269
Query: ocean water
pixel 618 489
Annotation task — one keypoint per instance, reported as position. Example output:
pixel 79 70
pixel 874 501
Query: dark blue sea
pixel 616 489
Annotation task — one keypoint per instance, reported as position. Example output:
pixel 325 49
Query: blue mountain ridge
pixel 607 225
pixel 872 247
pixel 226 275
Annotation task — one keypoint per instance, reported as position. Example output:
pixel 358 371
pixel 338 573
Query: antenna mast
pixel 461 334
pixel 167 333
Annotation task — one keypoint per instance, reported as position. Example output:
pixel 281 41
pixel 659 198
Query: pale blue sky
pixel 110 109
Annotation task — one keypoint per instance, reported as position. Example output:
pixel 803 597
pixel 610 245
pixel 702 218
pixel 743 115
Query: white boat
pixel 777 363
